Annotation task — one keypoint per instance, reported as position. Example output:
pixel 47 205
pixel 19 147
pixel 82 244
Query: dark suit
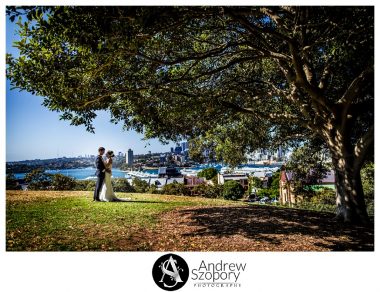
pixel 101 175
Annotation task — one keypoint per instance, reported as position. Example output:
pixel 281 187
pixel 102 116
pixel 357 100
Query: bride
pixel 107 194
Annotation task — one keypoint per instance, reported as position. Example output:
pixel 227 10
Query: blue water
pixel 79 173
pixel 89 172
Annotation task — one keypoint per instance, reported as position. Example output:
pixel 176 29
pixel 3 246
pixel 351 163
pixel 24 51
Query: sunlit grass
pixel 71 221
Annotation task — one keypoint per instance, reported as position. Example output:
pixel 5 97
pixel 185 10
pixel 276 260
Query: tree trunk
pixel 350 202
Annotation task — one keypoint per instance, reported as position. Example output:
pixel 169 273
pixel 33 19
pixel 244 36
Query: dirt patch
pixel 256 228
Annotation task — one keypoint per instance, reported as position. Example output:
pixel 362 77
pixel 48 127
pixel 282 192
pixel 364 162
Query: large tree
pixel 242 77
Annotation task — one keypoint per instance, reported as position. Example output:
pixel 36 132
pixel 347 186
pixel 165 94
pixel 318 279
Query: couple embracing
pixel 103 189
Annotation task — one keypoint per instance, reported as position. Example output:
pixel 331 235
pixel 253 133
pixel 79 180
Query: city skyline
pixel 34 132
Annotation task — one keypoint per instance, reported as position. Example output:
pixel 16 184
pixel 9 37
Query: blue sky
pixel 32 131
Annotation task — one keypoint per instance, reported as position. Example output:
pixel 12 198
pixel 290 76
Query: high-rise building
pixel 185 146
pixel 129 158
pixel 280 153
pixel 177 149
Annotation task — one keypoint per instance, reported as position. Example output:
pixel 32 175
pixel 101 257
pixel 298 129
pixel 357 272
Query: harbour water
pixel 89 172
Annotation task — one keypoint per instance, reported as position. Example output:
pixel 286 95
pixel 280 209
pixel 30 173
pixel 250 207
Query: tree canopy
pixel 238 78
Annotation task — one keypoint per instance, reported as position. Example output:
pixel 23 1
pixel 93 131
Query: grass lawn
pixel 68 220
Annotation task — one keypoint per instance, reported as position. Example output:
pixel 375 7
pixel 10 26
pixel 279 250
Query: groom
pixel 100 173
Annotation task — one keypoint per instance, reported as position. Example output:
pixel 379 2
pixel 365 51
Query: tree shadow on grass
pixel 137 201
pixel 273 225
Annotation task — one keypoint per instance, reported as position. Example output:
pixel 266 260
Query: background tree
pixel 308 165
pixel 232 190
pixel 240 77
pixel 208 173
pixel 272 191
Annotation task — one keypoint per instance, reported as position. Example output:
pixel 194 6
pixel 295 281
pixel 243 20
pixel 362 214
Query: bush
pixel 199 190
pixel 270 193
pixel 208 191
pixel 153 190
pixel 122 185
pixel 367 175
pixel 215 191
pixel 176 189
pixel 324 196
pixel 232 190
pixel 37 179
pixel 62 182
pixel 208 173
pixel 140 186
pixel 85 185
pixel 11 182
pixel 255 182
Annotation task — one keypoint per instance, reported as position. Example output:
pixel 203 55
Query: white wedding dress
pixel 107 194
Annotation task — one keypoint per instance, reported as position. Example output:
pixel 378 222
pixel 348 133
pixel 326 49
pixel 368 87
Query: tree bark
pixel 350 202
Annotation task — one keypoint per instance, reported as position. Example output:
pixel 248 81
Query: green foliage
pixel 153 190
pixel 269 193
pixel 367 174
pixel 62 182
pixel 255 182
pixel 38 180
pixel 11 182
pixel 85 185
pixel 232 190
pixel 122 185
pixel 140 186
pixel 272 190
pixel 324 196
pixel 274 181
pixel 208 191
pixel 208 173
pixel 234 78
pixel 176 189
pixel 308 166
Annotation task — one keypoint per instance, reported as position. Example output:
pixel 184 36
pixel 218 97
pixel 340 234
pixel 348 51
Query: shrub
pixel 176 189
pixel 85 185
pixel 122 185
pixel 270 193
pixel 199 190
pixel 140 186
pixel 232 190
pixel 367 174
pixel 153 189
pixel 255 182
pixel 324 196
pixel 208 173
pixel 62 182
pixel 215 191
